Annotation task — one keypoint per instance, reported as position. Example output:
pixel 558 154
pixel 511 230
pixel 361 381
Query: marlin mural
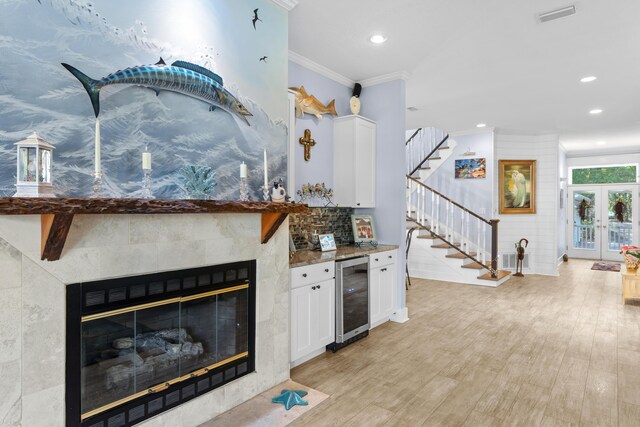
pixel 181 77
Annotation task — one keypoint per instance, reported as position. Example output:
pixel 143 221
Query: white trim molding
pixel 399 75
pixel 320 69
pixel 400 316
pixel 286 4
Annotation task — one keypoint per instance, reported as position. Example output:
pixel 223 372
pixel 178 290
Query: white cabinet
pixel 383 284
pixel 354 162
pixel 312 310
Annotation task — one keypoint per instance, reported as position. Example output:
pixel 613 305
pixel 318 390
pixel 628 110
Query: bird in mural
pixel 264 58
pixel 255 18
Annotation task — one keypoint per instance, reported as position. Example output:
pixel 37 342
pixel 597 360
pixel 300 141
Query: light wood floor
pixel 536 351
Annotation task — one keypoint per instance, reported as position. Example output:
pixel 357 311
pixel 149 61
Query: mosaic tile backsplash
pixel 322 220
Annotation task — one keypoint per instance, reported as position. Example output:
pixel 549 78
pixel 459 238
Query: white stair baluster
pixel 478 238
pixel 437 221
pixel 432 219
pixel 484 242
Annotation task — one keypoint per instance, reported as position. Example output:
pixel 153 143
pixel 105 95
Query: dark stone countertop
pixel 308 257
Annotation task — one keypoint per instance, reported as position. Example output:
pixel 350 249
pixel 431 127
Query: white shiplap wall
pixel 541 229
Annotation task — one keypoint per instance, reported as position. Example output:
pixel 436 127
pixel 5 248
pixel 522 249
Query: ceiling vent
pixel 557 14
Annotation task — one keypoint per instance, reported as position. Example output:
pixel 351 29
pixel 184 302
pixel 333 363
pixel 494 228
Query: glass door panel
pixel 584 238
pixel 618 230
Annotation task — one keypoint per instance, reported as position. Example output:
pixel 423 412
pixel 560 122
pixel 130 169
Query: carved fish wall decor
pixel 180 77
pixel 309 104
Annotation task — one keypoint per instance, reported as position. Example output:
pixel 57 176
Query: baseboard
pixel 308 357
pixel 400 316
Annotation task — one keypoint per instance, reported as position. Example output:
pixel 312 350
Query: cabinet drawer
pixel 382 258
pixel 309 274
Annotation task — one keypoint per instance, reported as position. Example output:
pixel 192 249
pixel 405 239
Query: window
pixel 623 174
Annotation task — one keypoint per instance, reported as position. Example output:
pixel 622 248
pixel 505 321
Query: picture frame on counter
pixel 363 229
pixel 327 242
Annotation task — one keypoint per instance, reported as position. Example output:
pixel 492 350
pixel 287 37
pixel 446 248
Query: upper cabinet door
pixel 354 162
pixel 365 169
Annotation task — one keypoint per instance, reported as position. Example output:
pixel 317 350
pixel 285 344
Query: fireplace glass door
pixel 131 352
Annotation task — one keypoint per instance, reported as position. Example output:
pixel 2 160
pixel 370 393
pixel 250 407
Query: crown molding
pixel 286 4
pixel 320 69
pixel 398 75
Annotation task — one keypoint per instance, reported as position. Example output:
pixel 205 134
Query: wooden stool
pixel 630 284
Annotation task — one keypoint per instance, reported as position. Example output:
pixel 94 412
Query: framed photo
pixel 517 186
pixel 327 242
pixel 471 168
pixel 363 229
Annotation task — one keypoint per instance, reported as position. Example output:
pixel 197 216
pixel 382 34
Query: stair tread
pixel 444 245
pixel 460 255
pixel 424 169
pixel 501 274
pixel 422 227
pixel 428 236
pixel 444 148
pixel 473 265
pixel 435 158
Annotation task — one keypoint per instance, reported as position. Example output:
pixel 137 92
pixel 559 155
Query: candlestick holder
pixel 265 193
pixel 146 185
pixel 98 189
pixel 244 190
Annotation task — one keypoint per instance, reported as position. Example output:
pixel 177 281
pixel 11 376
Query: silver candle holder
pixel 244 190
pixel 97 188
pixel 146 185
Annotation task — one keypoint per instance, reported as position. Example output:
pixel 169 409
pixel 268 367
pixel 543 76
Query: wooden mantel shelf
pixel 57 214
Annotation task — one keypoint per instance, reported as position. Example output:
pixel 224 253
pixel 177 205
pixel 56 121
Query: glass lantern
pixel 34 168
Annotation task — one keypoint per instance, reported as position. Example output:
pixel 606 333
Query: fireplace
pixel 138 346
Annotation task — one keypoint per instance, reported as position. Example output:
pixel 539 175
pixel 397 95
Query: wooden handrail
pixel 436 148
pixel 451 201
pixel 412 136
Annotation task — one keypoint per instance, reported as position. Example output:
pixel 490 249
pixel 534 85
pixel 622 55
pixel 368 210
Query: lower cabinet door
pixel 303 336
pixel 388 280
pixel 325 297
pixel 375 294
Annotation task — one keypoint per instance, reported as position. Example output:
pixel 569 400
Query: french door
pixel 602 218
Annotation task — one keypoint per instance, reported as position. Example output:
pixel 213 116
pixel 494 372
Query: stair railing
pixel 460 228
pixel 421 147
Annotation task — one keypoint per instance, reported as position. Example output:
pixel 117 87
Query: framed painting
pixel 517 186
pixel 327 242
pixel 471 168
pixel 363 229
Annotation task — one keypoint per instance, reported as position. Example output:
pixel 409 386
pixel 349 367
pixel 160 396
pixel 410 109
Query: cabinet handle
pixel 376 259
pixel 383 269
pixel 390 256
pixel 326 270
pixel 357 204
pixel 304 274
pixel 318 286
pixel 313 288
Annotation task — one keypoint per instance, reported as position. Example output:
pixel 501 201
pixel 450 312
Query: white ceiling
pixel 490 61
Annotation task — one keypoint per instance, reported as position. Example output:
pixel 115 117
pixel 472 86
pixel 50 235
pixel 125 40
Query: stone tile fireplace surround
pixel 32 293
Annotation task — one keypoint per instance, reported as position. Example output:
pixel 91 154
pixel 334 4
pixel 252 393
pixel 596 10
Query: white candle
pixel 97 148
pixel 266 179
pixel 243 170
pixel 146 160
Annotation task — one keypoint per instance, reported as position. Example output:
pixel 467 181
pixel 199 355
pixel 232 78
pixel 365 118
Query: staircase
pixel 454 243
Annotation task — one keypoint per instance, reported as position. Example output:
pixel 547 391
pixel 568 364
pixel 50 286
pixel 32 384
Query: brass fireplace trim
pixel 165 385
pixel 163 302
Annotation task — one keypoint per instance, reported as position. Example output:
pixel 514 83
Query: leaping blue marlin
pixel 180 77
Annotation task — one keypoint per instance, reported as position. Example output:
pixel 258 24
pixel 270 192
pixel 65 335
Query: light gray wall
pixel 320 167
pixel 562 208
pixel 386 105
pixel 475 194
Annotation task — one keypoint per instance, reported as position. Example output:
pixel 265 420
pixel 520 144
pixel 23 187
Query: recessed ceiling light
pixel 601 142
pixel 481 125
pixel 595 111
pixel 588 79
pixel 377 39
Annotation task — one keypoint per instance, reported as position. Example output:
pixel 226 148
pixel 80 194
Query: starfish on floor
pixel 290 398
